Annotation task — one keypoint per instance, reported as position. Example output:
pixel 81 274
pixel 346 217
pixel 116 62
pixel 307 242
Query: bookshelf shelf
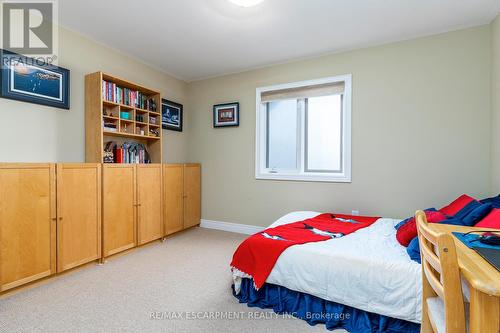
pixel 131 135
pixel 144 111
pixel 123 112
pixel 109 103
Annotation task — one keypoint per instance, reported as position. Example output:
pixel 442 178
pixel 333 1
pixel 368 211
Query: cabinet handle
pixel 60 218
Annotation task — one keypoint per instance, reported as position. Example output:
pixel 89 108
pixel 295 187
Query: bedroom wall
pixel 495 106
pixel 420 131
pixel 35 133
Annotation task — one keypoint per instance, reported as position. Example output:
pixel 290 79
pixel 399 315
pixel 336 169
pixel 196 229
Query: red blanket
pixel 258 254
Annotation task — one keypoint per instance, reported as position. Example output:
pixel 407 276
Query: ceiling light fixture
pixel 246 3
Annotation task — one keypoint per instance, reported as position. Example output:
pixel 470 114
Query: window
pixel 304 131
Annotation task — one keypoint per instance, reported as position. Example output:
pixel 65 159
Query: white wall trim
pixel 231 227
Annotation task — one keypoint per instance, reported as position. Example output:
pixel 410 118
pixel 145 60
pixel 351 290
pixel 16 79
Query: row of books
pixel 110 127
pixel 113 93
pixel 128 152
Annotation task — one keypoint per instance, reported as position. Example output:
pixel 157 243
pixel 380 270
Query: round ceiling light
pixel 246 3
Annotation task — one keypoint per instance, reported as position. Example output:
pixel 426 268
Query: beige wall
pixel 420 131
pixel 495 106
pixel 35 133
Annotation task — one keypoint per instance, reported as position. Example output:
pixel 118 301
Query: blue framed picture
pixel 29 80
pixel 171 115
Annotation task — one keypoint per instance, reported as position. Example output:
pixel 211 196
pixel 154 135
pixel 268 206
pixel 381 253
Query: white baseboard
pixel 231 227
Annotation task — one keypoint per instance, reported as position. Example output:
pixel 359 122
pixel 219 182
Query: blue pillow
pixel 494 201
pixel 400 224
pixel 453 221
pixel 413 250
pixel 462 213
pixel 477 214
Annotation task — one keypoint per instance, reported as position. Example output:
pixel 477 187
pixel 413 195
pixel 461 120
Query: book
pixel 119 155
pixel 134 98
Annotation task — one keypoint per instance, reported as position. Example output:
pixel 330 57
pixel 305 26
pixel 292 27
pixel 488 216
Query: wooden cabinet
pixel 149 201
pixel 181 186
pixel 132 206
pixel 119 208
pixel 192 195
pixel 173 187
pixel 54 218
pixel 78 214
pixel 27 223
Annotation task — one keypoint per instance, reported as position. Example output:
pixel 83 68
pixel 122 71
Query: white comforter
pixel 367 269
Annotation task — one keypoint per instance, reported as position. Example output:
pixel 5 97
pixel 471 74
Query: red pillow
pixel 457 205
pixel 492 220
pixel 408 231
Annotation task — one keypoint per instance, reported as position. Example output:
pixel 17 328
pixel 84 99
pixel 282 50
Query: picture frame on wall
pixel 226 115
pixel 28 80
pixel 171 115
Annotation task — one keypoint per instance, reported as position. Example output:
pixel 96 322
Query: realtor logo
pixel 28 27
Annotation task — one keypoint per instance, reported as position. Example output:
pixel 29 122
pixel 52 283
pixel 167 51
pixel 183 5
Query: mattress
pixel 368 270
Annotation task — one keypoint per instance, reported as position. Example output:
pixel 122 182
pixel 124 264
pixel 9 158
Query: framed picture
pixel 171 115
pixel 226 115
pixel 27 80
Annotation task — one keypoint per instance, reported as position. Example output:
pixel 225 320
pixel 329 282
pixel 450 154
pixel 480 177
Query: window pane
pixel 324 133
pixel 282 135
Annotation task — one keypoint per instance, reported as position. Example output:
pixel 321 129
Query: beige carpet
pixel 188 274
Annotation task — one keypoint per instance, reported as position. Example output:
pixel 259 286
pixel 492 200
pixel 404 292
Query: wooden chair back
pixel 440 277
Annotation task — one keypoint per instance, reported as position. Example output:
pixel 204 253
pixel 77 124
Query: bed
pixel 367 271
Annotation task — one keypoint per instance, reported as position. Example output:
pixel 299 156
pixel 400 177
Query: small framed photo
pixel 226 115
pixel 28 80
pixel 171 115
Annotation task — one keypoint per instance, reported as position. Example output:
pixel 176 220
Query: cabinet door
pixel 79 214
pixel 192 195
pixel 149 199
pixel 118 208
pixel 27 223
pixel 173 191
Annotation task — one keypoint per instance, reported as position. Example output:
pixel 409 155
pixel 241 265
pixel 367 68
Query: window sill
pixel 304 178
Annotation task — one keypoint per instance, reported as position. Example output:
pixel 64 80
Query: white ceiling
pixel 194 39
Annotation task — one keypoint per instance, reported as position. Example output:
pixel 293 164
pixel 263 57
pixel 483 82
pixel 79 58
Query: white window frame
pixel 262 172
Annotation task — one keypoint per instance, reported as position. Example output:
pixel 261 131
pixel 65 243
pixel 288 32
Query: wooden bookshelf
pixel 141 126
